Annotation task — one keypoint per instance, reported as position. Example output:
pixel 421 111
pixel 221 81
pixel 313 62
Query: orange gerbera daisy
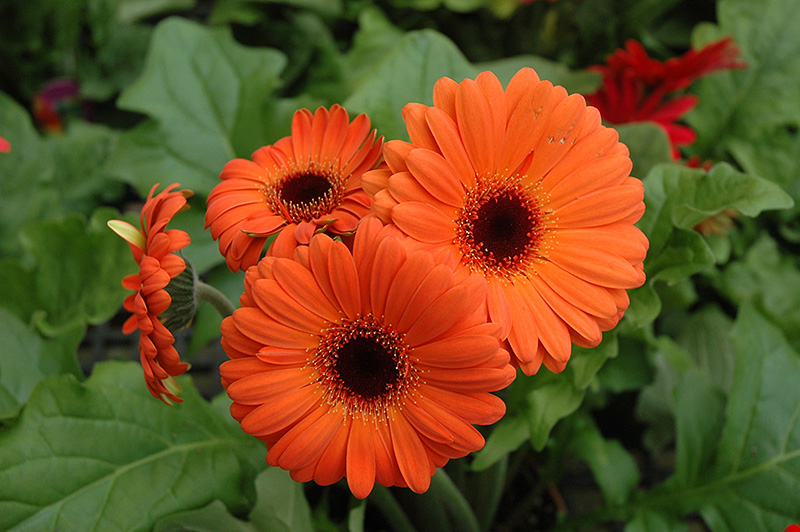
pixel 527 188
pixel 302 184
pixel 372 365
pixel 154 250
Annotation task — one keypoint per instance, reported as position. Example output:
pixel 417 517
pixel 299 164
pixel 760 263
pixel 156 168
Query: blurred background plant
pixel 684 418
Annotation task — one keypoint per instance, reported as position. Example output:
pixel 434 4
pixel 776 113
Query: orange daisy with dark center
pixel 372 365
pixel 498 230
pixel 527 188
pixel 302 184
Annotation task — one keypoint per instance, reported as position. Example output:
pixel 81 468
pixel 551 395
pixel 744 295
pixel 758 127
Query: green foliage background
pixel 705 361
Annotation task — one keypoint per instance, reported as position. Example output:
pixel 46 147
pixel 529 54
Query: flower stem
pixel 206 292
pixel 391 510
pixel 450 496
pixel 493 480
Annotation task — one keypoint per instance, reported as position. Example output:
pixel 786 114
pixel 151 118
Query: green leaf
pixel 506 436
pixel 280 506
pixel 211 518
pixel 26 358
pixel 79 266
pixel 209 94
pixel 768 277
pixel 114 457
pixel 547 405
pixel 612 466
pixel 705 337
pixel 699 406
pixel 645 305
pixel 738 464
pixel 656 405
pixel 580 81
pixel 405 72
pixel 648 144
pixel 677 198
pixel 759 450
pixel 773 154
pixel 44 178
pixel 735 104
pixel 585 363
pixel 629 370
pixel 649 521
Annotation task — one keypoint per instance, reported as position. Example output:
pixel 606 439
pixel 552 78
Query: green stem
pixel 391 510
pixel 492 482
pixel 206 292
pixel 451 497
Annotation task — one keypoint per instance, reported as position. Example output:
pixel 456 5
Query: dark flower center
pixel 363 366
pixel 366 368
pixel 305 193
pixel 304 189
pixel 498 231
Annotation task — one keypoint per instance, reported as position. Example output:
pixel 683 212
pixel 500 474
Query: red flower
pixel 154 248
pixel 792 528
pixel 5 146
pixel 638 88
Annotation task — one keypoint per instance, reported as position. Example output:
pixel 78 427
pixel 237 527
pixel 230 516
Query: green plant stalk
pixel 391 509
pixel 488 501
pixel 206 292
pixel 447 494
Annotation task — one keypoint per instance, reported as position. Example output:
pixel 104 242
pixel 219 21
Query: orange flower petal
pixel 360 459
pixel 411 456
pixel 436 175
pixel 423 222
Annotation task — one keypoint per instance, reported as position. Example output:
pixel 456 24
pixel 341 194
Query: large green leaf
pixel 44 178
pixel 739 104
pixel 738 462
pixel 280 506
pixel 678 198
pixel 405 72
pixel 758 455
pixel 106 455
pixel 613 467
pixel 769 278
pixel 580 81
pixel 79 266
pixel 648 144
pixel 26 358
pixel 210 96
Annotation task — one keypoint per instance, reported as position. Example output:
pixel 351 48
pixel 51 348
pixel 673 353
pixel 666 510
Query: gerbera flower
pixel 5 146
pixel 371 365
pixel 638 88
pixel 302 184
pixel 153 248
pixel 526 188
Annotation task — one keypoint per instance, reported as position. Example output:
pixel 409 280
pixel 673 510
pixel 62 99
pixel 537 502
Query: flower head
pixel 302 184
pixel 639 88
pixel 526 188
pixel 5 146
pixel 371 365
pixel 153 247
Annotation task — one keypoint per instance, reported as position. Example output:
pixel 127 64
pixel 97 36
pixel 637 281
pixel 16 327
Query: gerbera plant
pixel 526 188
pixel 371 364
pixel 307 182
